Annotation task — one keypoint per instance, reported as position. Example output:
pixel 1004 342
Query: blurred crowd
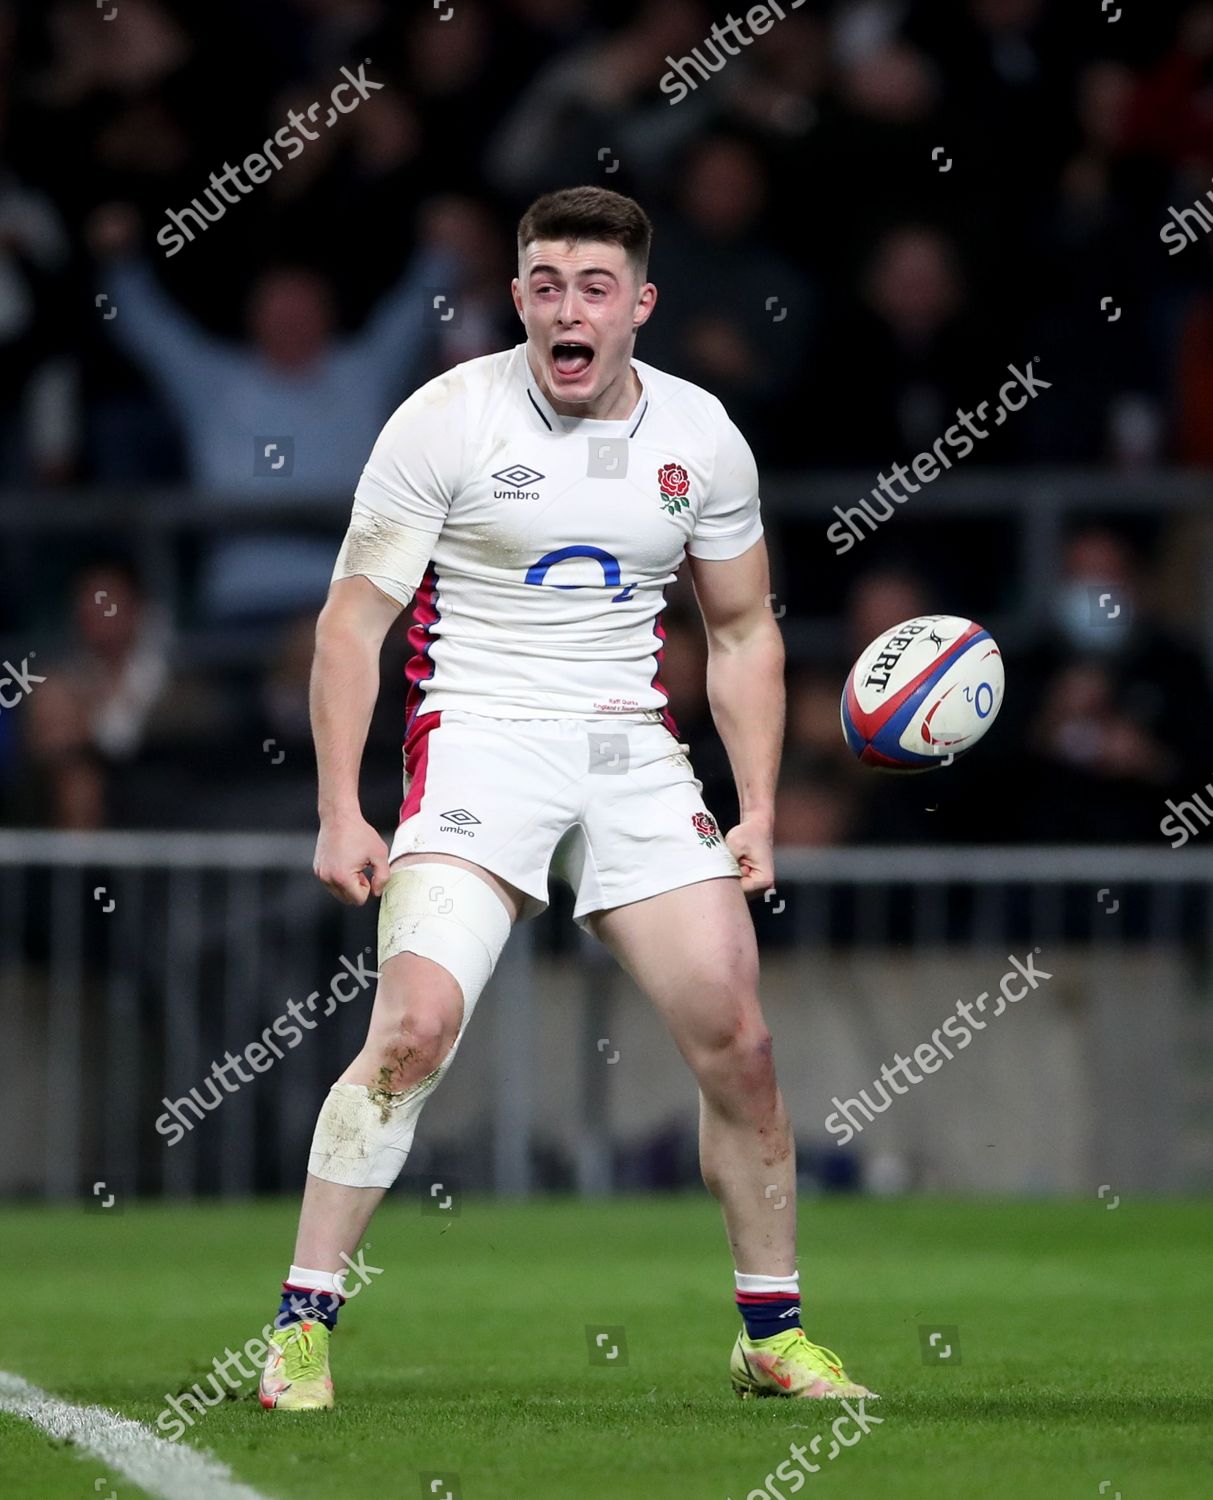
pixel 1107 718
pixel 860 220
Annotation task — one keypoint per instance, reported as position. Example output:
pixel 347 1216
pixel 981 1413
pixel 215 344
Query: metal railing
pixel 129 962
pixel 134 960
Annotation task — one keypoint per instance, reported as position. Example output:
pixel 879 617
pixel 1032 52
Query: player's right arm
pixel 345 683
pixel 400 506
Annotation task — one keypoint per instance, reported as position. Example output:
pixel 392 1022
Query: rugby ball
pixel 922 694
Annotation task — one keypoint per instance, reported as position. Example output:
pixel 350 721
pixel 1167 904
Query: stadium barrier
pixel 174 1007
pixel 165 528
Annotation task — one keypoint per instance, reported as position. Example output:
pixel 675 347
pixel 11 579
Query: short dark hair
pixel 110 559
pixel 589 213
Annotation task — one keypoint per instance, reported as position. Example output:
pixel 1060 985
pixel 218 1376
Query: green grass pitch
pixel 1082 1365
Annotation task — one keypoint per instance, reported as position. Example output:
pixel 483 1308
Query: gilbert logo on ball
pixel 922 693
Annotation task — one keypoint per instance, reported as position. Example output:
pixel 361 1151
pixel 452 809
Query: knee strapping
pixel 363 1135
pixel 447 914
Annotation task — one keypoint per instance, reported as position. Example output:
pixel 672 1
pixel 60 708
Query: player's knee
pixel 735 1067
pixel 415 1046
pixel 441 931
pixel 755 1065
pixel 418 1012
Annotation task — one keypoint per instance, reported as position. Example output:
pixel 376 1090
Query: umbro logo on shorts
pixel 458 816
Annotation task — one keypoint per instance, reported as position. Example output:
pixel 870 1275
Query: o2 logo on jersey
pixel 611 574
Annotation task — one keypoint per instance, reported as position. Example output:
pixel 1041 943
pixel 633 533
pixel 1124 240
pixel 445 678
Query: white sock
pixel 313 1281
pixel 789 1284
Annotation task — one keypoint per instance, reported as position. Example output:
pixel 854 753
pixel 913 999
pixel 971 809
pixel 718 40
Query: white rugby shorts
pixel 610 806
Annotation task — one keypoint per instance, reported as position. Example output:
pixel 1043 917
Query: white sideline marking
pixel 172 1471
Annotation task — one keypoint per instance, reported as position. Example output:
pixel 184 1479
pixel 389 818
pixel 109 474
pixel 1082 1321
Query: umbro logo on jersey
pixel 457 816
pixel 518 476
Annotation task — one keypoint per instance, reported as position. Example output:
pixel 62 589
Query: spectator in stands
pixel 879 125
pixel 108 701
pixel 1170 115
pixel 294 377
pixel 601 103
pixel 365 196
pixel 814 806
pixel 293 412
pixel 482 318
pixel 1087 236
pixel 821 788
pixel 1116 711
pixel 264 775
pixel 1008 69
pixel 732 315
pixel 920 348
pixel 130 109
pixel 38 406
pixel 457 79
pixel 779 92
pixel 877 601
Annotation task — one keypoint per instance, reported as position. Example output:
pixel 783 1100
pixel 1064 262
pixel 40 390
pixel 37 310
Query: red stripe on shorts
pixel 417 760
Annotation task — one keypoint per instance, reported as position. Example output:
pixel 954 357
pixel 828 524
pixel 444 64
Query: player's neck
pixel 614 404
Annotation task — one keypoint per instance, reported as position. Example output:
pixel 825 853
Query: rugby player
pixel 532 507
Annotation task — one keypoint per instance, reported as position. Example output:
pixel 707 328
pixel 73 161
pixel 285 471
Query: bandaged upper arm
pixel 392 554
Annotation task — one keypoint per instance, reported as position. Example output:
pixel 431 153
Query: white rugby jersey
pixel 555 537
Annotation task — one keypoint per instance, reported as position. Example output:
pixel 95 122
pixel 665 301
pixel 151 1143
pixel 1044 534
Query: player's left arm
pixel 745 683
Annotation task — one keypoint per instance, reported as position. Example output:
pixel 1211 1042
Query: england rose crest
pixel 675 485
pixel 706 827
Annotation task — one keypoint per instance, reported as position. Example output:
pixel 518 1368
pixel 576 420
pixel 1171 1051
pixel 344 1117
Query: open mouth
pixel 571 358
